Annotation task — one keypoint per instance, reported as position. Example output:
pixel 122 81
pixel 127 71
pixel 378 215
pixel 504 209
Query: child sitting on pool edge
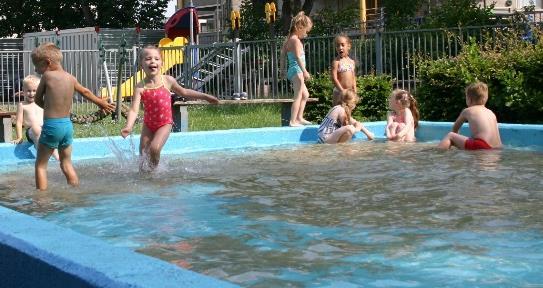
pixel 339 126
pixel 154 92
pixel 482 123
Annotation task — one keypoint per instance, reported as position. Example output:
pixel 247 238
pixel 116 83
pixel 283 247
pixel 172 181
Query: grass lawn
pixel 205 117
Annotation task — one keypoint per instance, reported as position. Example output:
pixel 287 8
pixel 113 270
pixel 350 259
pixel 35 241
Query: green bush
pixel 373 92
pixel 513 72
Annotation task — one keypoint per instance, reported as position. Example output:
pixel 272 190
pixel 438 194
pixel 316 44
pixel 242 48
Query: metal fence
pixel 252 67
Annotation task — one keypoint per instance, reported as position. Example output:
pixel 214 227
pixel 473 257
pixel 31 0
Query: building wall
pixel 500 5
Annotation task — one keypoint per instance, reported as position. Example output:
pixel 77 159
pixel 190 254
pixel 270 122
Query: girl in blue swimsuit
pixel 293 51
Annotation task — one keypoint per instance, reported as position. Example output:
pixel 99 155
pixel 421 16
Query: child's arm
pixel 38 98
pixel 85 92
pixel 133 112
pixel 409 122
pixel 335 80
pixel 459 122
pixel 19 124
pixel 298 49
pixel 390 119
pixel 177 89
pixel 354 78
pixel 359 127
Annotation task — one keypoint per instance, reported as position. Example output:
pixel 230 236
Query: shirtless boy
pixel 29 114
pixel 482 123
pixel 55 94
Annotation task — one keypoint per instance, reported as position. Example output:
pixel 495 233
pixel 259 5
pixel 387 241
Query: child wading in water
pixel 30 115
pixel 343 69
pixel 403 118
pixel 55 94
pixel 339 126
pixel 296 71
pixel 482 123
pixel 154 92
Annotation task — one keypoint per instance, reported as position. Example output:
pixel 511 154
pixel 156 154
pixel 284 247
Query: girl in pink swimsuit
pixel 403 118
pixel 154 91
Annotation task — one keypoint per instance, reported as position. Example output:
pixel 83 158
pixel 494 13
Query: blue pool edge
pixel 35 253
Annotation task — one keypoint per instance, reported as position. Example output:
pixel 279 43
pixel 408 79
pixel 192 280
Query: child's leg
pixel 341 135
pixel 453 139
pixel 305 95
pixel 399 129
pixel 66 166
pixel 155 143
pixel 55 155
pixel 391 130
pixel 145 142
pixel 297 81
pixel 34 135
pixel 40 167
pixel 36 132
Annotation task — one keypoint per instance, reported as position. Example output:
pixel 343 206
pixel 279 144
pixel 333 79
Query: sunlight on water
pixel 369 214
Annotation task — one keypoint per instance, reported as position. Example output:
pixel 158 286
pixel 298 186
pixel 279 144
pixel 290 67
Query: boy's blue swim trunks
pixel 57 132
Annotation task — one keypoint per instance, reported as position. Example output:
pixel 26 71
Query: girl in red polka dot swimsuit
pixel 154 92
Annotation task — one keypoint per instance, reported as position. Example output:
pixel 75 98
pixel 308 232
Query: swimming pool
pixel 375 214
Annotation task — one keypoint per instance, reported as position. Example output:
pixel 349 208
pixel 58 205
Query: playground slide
pixel 170 57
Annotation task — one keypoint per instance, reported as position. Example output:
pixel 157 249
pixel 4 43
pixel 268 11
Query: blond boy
pixel 29 114
pixel 482 123
pixel 54 94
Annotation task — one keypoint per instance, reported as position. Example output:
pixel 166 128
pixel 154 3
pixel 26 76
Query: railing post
pixel 237 69
pixel 122 53
pixel 274 66
pixel 378 52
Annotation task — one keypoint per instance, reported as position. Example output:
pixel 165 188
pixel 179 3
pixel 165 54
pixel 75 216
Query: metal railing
pixel 252 67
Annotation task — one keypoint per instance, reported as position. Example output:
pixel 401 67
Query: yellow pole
pixel 363 15
pixel 180 4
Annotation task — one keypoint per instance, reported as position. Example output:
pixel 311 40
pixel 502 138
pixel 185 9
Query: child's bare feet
pixel 305 122
pixel 294 124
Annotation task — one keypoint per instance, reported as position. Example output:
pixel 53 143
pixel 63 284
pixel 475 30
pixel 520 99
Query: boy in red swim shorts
pixel 482 123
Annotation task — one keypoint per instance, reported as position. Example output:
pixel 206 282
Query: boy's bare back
pixel 483 124
pixel 57 88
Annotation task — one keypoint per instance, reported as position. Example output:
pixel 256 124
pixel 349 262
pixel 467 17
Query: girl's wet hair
pixel 344 36
pixel 149 47
pixel 349 99
pixel 407 101
pixel 299 22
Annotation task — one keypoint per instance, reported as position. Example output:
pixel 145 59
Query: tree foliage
pixel 330 22
pixel 400 14
pixel 512 69
pixel 460 13
pixel 23 16
pixel 253 21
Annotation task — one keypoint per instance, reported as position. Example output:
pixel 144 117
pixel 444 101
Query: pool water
pixel 370 214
